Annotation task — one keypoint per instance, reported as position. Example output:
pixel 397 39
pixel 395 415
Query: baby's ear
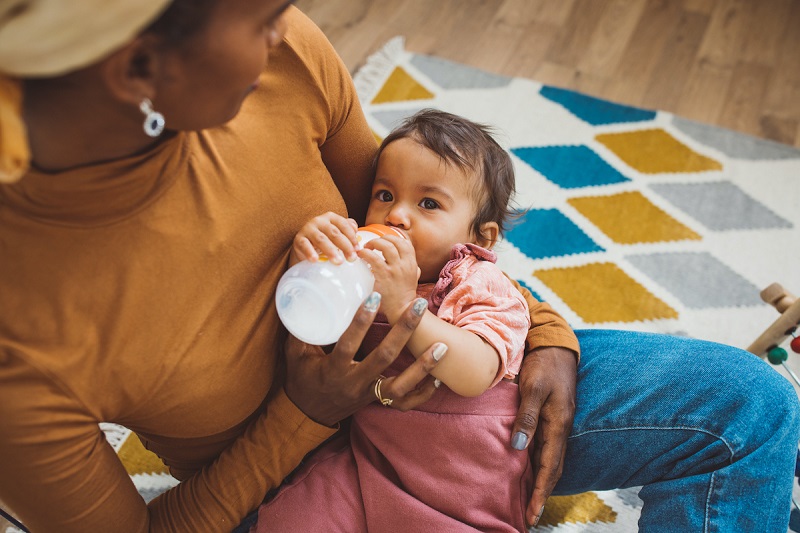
pixel 487 237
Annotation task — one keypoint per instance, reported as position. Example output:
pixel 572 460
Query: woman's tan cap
pixel 52 37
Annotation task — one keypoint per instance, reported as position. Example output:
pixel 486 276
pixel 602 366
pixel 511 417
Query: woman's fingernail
pixel 373 302
pixel 420 304
pixel 536 522
pixel 439 351
pixel 519 441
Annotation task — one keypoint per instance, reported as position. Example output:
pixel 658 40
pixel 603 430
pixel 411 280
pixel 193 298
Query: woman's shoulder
pixel 305 72
pixel 307 41
pixel 301 30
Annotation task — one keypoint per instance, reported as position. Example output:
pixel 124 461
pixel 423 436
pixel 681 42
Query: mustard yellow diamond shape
pixel 654 151
pixel 603 292
pixel 583 508
pixel 139 460
pixel 401 86
pixel 630 218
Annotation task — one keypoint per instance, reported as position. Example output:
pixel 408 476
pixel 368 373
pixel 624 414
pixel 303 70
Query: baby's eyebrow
pixel 432 189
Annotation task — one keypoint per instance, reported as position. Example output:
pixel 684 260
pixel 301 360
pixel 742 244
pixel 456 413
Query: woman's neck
pixel 71 125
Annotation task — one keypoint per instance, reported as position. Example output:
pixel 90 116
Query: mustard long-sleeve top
pixel 140 291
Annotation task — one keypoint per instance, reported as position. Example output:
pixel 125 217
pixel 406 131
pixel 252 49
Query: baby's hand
pixel 331 235
pixel 396 273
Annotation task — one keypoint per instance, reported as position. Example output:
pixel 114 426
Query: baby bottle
pixel 317 301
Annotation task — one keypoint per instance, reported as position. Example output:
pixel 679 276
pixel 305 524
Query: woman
pixel 139 265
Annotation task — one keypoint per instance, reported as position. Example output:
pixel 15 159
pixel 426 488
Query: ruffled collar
pixel 445 281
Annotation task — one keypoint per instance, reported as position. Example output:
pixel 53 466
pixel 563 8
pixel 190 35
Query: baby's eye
pixel 384 196
pixel 427 203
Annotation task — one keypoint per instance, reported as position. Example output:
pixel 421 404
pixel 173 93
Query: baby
pixel 446 184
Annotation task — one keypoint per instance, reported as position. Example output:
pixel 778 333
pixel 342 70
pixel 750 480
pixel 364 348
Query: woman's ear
pixel 487 237
pixel 131 73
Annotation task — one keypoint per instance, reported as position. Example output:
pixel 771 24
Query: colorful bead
pixel 795 344
pixel 777 355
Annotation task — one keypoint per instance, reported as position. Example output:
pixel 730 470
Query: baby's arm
pixel 471 364
pixel 330 235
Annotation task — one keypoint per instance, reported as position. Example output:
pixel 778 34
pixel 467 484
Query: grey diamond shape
pixel 630 497
pixel 735 144
pixel 449 75
pixel 720 206
pixel 698 280
pixel 393 117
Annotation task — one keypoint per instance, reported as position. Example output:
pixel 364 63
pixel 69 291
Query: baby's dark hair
pixel 471 147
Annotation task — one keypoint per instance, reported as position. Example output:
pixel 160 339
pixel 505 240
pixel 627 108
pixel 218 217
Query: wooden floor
pixel 733 63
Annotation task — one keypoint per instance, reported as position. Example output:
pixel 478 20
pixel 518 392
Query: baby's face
pixel 429 200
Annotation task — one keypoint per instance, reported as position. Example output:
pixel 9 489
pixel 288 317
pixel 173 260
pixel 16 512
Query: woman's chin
pixel 230 115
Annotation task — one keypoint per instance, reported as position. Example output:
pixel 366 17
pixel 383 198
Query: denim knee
pixel 789 405
pixel 771 409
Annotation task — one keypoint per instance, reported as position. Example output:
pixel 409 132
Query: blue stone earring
pixel 153 120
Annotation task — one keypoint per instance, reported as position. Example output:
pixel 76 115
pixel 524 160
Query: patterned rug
pixel 634 219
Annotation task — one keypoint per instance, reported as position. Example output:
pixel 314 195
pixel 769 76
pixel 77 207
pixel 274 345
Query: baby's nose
pixel 398 217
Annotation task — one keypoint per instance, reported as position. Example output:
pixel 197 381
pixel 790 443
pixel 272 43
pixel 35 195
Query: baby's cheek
pixel 374 215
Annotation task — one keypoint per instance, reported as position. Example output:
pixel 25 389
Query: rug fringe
pixel 379 65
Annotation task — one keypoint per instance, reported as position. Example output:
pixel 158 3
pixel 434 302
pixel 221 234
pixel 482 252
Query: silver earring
pixel 153 120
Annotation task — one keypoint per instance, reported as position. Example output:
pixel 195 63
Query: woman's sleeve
pixel 548 328
pixel 224 492
pixel 60 474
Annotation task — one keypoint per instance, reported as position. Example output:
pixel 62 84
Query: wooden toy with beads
pixel 789 306
pixel 768 343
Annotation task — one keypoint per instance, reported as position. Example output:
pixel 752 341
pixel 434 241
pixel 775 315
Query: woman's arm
pixel 60 474
pixel 547 385
pixel 548 328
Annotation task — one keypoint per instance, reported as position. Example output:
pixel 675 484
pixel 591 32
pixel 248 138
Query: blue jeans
pixel 710 431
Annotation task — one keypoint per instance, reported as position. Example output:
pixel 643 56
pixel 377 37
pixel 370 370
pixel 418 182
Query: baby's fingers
pixel 303 249
pixel 334 237
pixel 345 236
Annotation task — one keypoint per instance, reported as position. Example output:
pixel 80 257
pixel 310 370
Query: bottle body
pixel 316 301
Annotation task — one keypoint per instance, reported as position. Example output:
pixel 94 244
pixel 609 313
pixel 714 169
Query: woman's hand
pixel 331 387
pixel 547 382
